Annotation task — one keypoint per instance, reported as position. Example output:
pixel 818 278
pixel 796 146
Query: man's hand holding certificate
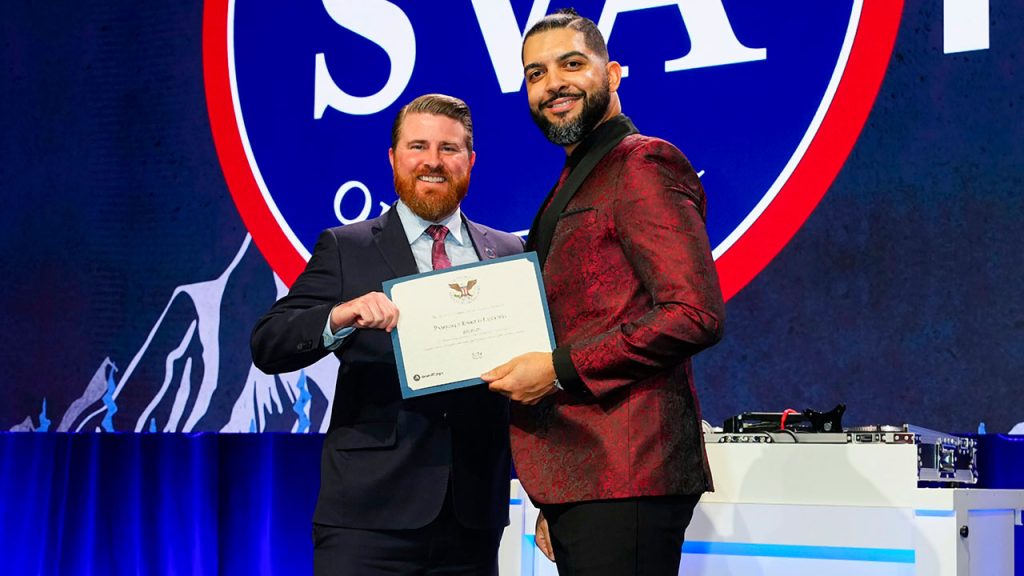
pixel 459 322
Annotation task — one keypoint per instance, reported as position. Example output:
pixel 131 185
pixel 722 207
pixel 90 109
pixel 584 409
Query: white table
pixel 812 509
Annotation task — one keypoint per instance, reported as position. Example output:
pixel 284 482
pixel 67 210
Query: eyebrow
pixel 572 54
pixel 561 58
pixel 441 143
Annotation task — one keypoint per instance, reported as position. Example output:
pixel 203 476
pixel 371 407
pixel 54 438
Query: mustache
pixel 562 94
pixel 438 170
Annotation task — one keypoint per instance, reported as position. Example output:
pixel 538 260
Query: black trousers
pixel 633 536
pixel 443 547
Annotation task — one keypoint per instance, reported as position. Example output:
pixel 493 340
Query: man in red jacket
pixel 606 430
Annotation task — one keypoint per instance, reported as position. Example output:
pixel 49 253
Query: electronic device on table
pixel 941 457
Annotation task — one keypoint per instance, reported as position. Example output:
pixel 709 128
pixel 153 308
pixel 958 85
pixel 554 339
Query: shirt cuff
pixel 566 373
pixel 333 340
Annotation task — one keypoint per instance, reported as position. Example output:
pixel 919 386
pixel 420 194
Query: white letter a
pixel 712 41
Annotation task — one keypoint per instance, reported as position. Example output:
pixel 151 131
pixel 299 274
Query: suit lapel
pixel 544 225
pixel 482 241
pixel 531 237
pixel 393 244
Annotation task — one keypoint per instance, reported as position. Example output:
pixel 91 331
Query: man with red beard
pixel 606 431
pixel 415 486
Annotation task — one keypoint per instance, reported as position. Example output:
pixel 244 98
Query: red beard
pixel 433 205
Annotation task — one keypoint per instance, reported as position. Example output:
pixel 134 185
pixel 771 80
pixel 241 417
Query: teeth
pixel 562 103
pixel 432 179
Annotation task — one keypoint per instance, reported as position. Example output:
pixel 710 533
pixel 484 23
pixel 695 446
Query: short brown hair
pixel 438 105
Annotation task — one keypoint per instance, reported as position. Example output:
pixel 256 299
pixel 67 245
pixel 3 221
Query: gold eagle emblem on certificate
pixel 463 291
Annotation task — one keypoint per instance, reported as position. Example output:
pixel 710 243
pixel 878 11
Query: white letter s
pixel 384 24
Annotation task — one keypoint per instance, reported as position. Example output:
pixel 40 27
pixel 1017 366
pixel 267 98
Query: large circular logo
pixel 765 99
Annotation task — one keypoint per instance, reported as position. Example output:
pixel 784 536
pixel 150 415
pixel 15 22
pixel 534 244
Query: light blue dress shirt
pixel 457 244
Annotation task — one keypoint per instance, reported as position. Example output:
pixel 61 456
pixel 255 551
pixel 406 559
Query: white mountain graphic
pixel 193 395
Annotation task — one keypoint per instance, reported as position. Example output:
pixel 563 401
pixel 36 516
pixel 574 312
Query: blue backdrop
pixel 170 504
pixel 131 282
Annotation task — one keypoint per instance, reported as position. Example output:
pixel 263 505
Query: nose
pixel 432 157
pixel 554 81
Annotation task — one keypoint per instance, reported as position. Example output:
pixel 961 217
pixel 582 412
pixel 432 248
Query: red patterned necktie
pixel 438 257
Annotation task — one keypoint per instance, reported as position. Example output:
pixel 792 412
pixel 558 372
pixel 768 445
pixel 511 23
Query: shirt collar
pixel 604 132
pixel 414 226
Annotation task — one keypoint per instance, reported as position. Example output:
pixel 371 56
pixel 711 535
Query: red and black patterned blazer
pixel 633 294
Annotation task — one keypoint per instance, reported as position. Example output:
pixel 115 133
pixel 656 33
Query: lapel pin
pixel 490 252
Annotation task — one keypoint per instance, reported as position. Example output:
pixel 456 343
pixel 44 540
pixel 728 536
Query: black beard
pixel 595 106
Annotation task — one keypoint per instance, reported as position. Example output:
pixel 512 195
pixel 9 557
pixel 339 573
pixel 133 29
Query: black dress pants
pixel 628 537
pixel 443 547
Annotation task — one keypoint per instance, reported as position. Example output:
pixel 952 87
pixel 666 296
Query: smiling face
pixel 570 88
pixel 431 165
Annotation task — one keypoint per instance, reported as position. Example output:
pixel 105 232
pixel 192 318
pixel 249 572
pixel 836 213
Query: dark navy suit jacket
pixel 387 462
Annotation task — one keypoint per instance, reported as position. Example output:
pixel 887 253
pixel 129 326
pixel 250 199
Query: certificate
pixel 457 323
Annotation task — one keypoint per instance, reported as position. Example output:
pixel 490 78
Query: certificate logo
pixel 765 98
pixel 464 291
